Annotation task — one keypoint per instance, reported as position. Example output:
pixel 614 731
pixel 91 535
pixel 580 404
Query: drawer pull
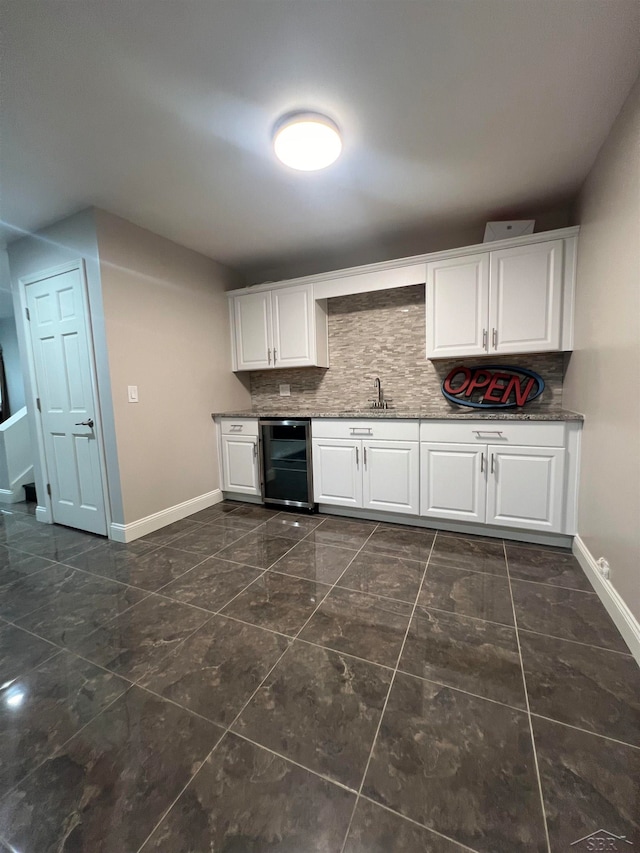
pixel 480 432
pixel 361 430
pixel 236 427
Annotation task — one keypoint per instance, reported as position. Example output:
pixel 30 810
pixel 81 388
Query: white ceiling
pixel 161 111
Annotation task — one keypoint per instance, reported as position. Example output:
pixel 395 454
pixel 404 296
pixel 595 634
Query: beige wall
pixel 602 378
pixel 168 333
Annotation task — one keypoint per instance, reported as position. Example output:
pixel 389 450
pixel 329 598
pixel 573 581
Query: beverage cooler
pixel 285 458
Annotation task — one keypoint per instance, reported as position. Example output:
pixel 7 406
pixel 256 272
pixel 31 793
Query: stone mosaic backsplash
pixel 383 334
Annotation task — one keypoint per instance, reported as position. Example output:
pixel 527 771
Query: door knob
pixel 88 423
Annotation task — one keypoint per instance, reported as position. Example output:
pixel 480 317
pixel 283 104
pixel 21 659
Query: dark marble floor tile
pixel 381 574
pixel 321 709
pixel 254 512
pixel 172 531
pixel 359 624
pixel 150 570
pixel 469 553
pixel 20 652
pixel 44 708
pixel 558 568
pixel 247 800
pixel 377 830
pixel 588 783
pixel 142 636
pixel 214 512
pixel 472 655
pixel 136 546
pixel 467 593
pixel 565 613
pixel 74 612
pixel 106 788
pixel 343 532
pixel 460 765
pixel 278 602
pixel 470 537
pixel 14 526
pixel 212 584
pixel 230 523
pixel 291 525
pixel 593 689
pixel 217 669
pixel 15 565
pixel 324 563
pixel 208 539
pixel 412 543
pixel 257 549
pixel 34 591
pixel 57 543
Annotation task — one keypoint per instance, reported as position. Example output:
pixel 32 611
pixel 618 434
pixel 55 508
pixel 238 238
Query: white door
pixel 525 487
pixel 337 471
pixel 457 305
pixel 526 294
pixel 64 381
pixel 453 481
pixel 240 465
pixel 391 476
pixel 252 317
pixel 292 326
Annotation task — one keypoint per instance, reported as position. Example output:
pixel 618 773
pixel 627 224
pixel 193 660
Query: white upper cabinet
pixel 252 326
pixel 457 305
pixel 283 327
pixel 526 298
pixel 498 302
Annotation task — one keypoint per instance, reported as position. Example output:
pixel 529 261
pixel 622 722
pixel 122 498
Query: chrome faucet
pixel 380 402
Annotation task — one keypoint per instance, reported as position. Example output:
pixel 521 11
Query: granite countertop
pixel 439 412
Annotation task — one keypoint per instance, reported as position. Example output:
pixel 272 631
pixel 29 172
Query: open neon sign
pixel 492 387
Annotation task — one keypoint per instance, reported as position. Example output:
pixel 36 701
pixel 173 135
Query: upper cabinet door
pixel 252 317
pixel 457 304
pixel 293 332
pixel 526 298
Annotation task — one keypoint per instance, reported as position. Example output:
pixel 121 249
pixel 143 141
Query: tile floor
pixel 246 680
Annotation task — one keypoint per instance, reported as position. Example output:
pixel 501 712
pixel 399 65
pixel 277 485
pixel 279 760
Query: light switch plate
pixel 285 390
pixel 132 393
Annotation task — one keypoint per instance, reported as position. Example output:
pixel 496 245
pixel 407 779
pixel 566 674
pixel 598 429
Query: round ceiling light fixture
pixel 306 141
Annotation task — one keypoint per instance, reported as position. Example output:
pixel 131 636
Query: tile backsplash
pixel 383 334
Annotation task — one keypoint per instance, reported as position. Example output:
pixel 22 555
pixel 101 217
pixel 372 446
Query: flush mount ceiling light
pixel 306 141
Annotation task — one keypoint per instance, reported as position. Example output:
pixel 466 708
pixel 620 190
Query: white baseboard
pixel 151 523
pixel 43 514
pixel 624 619
pixel 9 496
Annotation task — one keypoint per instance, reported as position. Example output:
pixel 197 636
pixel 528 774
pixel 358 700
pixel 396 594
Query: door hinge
pixel 49 489
pixel 38 404
pixel 27 313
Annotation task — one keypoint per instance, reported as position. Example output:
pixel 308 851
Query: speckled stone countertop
pixel 427 413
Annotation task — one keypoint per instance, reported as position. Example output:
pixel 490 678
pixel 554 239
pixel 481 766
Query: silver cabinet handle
pixel 274 355
pixel 492 463
pixel 269 356
pixel 482 463
pixel 364 450
pixel 255 450
pixel 485 335
pixel 357 458
pixel 480 432
pixel 494 338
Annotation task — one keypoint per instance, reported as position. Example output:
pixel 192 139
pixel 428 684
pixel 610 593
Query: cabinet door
pixel 453 478
pixel 252 317
pixel 293 332
pixel 525 487
pixel 240 465
pixel 457 304
pixel 337 471
pixel 391 476
pixel 526 298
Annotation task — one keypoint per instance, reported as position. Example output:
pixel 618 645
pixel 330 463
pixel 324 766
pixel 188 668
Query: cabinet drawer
pixel 239 426
pixel 388 430
pixel 521 433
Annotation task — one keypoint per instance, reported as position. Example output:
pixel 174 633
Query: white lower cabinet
pixel 240 464
pixel 370 473
pixel 513 486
